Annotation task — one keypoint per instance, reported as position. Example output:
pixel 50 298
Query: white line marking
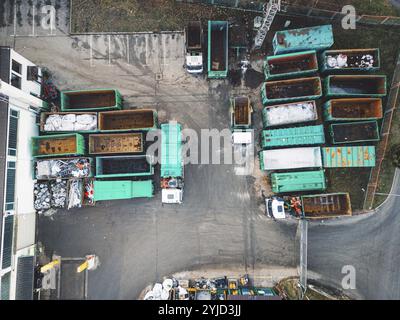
pixel 164 49
pixel 91 51
pixel 33 18
pixel 127 49
pixel 15 18
pixel 109 49
pixel 146 50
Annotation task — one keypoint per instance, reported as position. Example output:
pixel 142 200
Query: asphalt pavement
pixel 221 222
pixel 369 243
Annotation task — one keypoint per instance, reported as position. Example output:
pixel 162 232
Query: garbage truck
pixel 172 170
pixel 194 47
pixel 241 120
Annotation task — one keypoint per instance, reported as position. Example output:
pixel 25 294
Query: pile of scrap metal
pixel 221 288
pixel 63 168
pixel 58 194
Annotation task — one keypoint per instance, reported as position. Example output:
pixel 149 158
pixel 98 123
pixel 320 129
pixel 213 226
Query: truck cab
pixel 172 195
pixel 275 208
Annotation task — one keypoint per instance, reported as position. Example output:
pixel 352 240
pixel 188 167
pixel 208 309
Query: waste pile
pixel 89 192
pixel 63 168
pixel 292 112
pixel 75 196
pixel 58 193
pixel 354 61
pixel 42 196
pixel 168 290
pixel 206 289
pixel 71 122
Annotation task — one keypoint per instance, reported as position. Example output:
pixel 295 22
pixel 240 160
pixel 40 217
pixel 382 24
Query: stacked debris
pixel 75 195
pixel 42 196
pixel 63 168
pixel 296 112
pixel 58 193
pixel 89 192
pixel 71 122
pixel 221 288
pixel 168 290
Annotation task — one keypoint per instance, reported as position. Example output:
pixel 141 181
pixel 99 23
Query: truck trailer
pixel 351 132
pixel 116 143
pixel 321 206
pixel 290 113
pixel 296 136
pixel 194 47
pixel 91 100
pixel 353 109
pixel 124 166
pixel 298 181
pixel 127 120
pixel 290 65
pixel 310 38
pixel 291 90
pixel 172 170
pixel 290 158
pixel 217 49
pixel 371 86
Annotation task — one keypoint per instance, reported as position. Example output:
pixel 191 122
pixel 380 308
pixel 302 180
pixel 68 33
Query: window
pixel 15 81
pixel 10 185
pixel 5 286
pixel 13 133
pixel 16 74
pixel 16 67
pixel 8 235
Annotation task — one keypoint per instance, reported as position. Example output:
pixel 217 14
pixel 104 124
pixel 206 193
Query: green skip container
pixel 290 65
pixel 58 145
pixel 371 86
pixel 309 38
pixel 309 135
pixel 291 90
pixel 351 132
pixel 123 166
pixel 217 49
pixel 298 181
pixel 122 189
pixel 348 157
pixel 91 100
pixel 353 109
pixel 350 60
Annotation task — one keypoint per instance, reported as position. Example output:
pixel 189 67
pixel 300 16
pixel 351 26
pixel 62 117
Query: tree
pixel 395 154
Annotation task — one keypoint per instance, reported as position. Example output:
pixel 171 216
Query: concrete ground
pixel 221 222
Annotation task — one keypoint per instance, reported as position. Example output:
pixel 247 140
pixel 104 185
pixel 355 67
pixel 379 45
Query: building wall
pixel 26 86
pixel 27 102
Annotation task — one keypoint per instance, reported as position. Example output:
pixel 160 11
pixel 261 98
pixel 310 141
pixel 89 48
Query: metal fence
pixel 392 103
pixel 320 10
